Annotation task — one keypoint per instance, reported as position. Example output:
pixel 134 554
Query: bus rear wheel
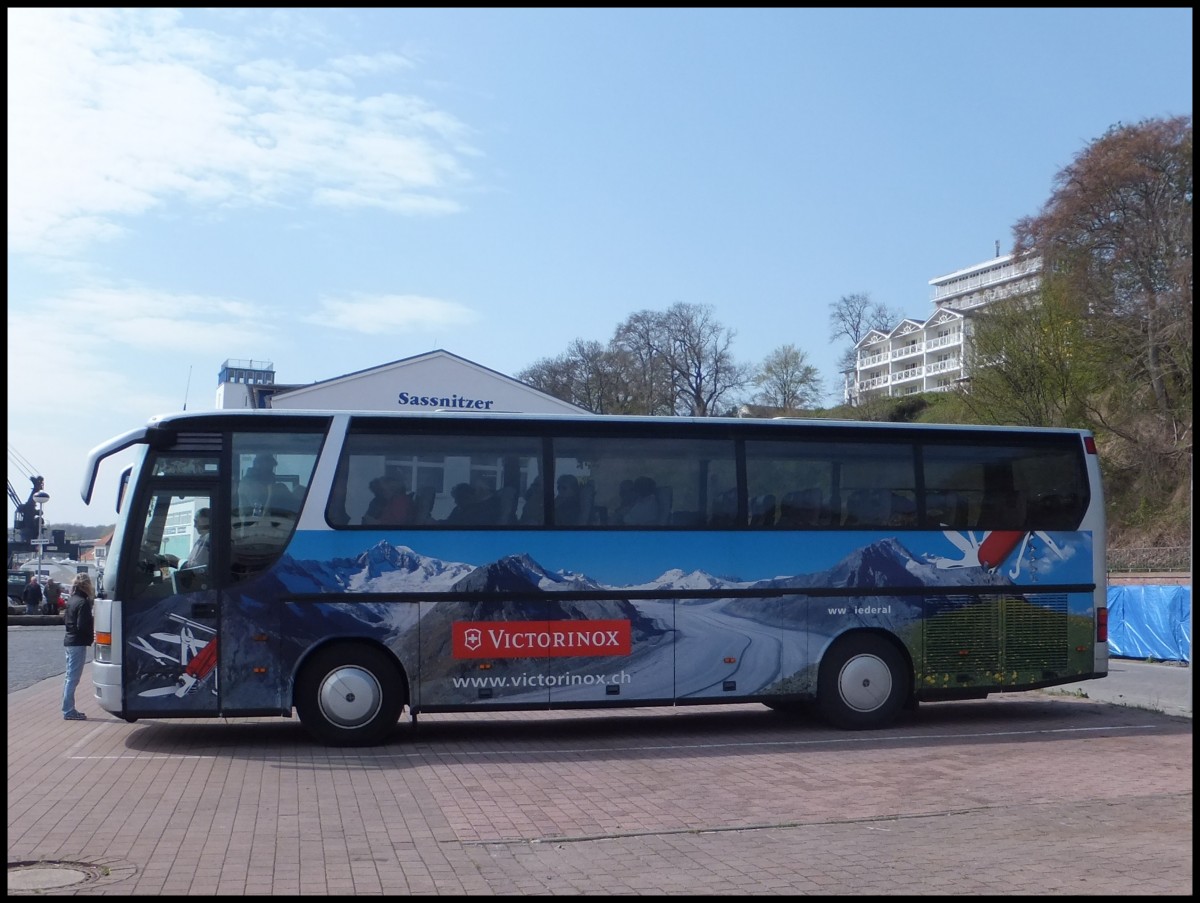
pixel 863 683
pixel 350 695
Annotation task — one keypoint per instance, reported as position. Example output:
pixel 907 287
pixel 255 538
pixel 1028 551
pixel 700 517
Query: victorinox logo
pixel 540 639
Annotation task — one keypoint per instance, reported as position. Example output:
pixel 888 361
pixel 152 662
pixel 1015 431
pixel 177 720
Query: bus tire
pixel 863 683
pixel 350 694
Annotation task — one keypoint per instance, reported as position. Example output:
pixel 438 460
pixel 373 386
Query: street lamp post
pixel 41 497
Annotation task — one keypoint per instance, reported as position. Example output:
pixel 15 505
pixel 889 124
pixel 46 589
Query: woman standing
pixel 80 635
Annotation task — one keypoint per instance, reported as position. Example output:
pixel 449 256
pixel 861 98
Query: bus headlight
pixel 102 648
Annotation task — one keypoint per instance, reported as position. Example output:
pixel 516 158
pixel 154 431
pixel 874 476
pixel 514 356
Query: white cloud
pixel 115 113
pixel 391 314
pixel 360 64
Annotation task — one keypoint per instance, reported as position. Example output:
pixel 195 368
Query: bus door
pixel 170 608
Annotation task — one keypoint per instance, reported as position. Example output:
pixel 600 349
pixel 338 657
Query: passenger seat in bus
pixel 724 509
pixel 762 510
pixel 665 496
pixel 800 508
pixel 508 505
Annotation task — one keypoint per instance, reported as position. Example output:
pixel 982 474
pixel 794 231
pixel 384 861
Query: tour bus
pixel 360 564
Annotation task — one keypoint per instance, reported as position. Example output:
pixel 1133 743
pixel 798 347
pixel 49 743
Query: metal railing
pixel 1157 559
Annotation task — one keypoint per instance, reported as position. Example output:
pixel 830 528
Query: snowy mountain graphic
pixel 384 568
pixel 886 564
pixel 696 580
pixel 381 568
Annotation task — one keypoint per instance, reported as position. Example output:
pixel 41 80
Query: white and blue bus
pixel 360 564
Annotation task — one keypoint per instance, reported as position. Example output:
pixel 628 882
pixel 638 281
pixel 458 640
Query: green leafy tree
pixel 1116 239
pixel 1031 363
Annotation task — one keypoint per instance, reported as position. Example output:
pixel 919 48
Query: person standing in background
pixel 53 595
pixel 81 633
pixel 33 595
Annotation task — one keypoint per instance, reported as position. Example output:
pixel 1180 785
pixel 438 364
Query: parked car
pixel 16 586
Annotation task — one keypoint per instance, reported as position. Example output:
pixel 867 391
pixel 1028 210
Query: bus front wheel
pixel 863 683
pixel 349 695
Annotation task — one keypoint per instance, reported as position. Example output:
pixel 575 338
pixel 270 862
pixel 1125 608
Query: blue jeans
pixel 76 656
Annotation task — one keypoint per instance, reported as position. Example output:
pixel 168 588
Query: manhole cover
pixel 33 877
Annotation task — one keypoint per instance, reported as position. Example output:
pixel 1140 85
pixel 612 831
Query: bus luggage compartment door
pixel 494 654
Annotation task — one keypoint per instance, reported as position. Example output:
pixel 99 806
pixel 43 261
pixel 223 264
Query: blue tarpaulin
pixel 1153 622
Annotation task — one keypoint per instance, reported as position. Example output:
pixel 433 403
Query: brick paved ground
pixel 1021 794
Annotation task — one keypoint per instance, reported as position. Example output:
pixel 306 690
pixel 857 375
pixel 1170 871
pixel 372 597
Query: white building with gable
pixel 933 355
pixel 426 382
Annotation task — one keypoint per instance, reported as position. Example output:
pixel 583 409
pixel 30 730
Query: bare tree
pixel 587 374
pixel 703 371
pixel 552 375
pixel 641 343
pixel 673 362
pixel 787 381
pixel 852 318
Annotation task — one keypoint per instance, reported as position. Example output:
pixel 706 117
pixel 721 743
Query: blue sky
pixel 330 190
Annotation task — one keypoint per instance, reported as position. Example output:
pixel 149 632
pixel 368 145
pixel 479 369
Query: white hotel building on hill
pixel 933 356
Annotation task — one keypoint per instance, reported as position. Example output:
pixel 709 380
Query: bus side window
pixel 762 510
pixel 1055 511
pixel 665 495
pixel 1003 510
pixel 868 508
pixel 800 508
pixel 904 509
pixel 724 509
pixel 265 506
pixel 945 510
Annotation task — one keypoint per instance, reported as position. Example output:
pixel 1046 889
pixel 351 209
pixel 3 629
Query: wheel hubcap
pixel 865 683
pixel 350 696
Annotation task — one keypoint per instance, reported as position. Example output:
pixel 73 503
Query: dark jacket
pixel 33 594
pixel 81 629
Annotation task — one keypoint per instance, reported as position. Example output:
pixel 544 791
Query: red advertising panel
pixel 540 639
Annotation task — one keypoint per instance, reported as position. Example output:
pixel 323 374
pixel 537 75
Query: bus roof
pixel 163 420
